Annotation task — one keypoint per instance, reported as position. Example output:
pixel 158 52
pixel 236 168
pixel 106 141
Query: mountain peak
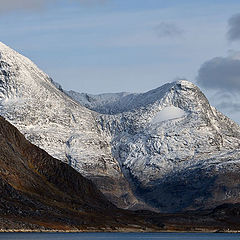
pixel 19 76
pixel 185 83
pixel 180 93
pixel 12 57
pixel 50 119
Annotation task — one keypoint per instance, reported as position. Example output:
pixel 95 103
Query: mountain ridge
pixel 53 121
pixel 154 155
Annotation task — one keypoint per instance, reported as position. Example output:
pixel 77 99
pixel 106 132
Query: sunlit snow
pixel 168 113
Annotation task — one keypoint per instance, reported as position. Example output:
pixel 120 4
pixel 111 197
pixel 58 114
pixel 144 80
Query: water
pixel 119 236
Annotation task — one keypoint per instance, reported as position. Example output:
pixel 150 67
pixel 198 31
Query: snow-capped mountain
pixel 177 151
pixel 59 125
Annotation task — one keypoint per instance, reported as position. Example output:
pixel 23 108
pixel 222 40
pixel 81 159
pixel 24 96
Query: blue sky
pixel 98 46
pixel 114 45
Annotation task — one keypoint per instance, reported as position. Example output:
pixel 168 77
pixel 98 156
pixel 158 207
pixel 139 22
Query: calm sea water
pixel 118 236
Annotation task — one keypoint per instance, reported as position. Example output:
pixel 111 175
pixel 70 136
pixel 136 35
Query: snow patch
pixel 168 113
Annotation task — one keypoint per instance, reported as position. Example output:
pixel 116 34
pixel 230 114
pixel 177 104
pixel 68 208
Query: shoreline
pixel 112 231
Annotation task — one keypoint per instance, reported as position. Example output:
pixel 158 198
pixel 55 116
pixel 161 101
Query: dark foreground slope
pixel 40 192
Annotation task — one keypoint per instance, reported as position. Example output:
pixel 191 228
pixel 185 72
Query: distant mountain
pixel 105 103
pixel 177 151
pixel 66 130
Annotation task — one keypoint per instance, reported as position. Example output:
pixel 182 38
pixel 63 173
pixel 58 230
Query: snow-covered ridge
pixel 119 102
pixel 10 69
pixel 58 124
pixel 172 133
pixel 114 103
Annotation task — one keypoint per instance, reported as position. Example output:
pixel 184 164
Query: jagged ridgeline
pixel 167 149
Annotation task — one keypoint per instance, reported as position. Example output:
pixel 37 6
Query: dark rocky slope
pixel 40 192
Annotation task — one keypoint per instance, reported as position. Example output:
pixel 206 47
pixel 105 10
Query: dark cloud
pixel 227 102
pixel 220 77
pixel 220 73
pixel 165 29
pixel 234 28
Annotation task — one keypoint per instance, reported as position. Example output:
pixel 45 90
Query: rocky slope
pixel 66 130
pixel 35 185
pixel 177 151
pixel 39 192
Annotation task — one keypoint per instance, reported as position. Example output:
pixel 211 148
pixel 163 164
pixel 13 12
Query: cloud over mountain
pixel 222 73
pixel 234 28
pixel 220 76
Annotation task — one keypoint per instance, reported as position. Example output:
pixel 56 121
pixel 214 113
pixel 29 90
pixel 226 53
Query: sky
pixel 99 46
